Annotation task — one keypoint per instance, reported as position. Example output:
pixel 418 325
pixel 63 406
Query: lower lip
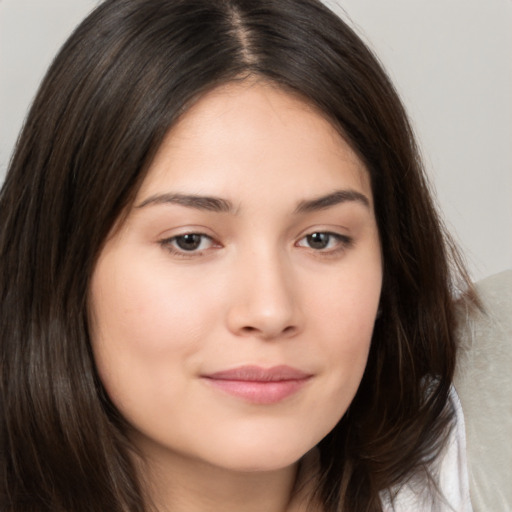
pixel 259 392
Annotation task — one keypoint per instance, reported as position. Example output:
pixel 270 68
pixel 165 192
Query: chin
pixel 265 455
pixel 261 463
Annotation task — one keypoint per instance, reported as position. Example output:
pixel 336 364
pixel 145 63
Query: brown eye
pixel 188 242
pixel 318 240
pixel 325 241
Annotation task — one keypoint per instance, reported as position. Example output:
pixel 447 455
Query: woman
pixel 224 285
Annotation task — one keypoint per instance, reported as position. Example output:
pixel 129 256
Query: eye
pixel 188 243
pixel 324 241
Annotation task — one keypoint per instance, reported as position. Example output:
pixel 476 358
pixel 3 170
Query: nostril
pixel 268 333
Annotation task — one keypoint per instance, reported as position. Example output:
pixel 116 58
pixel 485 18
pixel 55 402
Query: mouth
pixel 259 385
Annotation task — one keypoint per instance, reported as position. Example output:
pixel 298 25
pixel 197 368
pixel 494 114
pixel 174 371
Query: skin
pixel 257 290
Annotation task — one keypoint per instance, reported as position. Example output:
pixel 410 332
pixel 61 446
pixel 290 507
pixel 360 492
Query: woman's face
pixel 232 312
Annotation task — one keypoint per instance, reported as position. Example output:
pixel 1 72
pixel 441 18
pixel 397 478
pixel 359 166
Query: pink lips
pixel 259 385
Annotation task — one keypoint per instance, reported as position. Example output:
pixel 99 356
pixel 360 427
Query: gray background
pixel 451 61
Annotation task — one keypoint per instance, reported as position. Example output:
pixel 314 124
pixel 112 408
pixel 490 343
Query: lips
pixel 259 385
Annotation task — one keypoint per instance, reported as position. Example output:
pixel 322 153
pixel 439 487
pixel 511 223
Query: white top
pixel 453 476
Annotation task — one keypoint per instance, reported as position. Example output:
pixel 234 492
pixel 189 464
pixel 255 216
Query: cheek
pixel 347 304
pixel 136 307
pixel 144 324
pixel 344 319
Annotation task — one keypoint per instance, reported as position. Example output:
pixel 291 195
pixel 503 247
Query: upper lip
pixel 258 374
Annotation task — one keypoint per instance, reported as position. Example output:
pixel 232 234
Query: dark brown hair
pixel 117 86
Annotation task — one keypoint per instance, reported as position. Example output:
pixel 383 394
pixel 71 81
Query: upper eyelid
pixel 202 231
pixel 337 231
pixel 339 236
pixel 302 235
pixel 175 232
pixel 180 235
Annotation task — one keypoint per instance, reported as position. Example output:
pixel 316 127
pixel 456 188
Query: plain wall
pixel 451 61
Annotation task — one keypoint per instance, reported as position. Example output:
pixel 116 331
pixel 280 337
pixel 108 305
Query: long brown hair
pixel 119 83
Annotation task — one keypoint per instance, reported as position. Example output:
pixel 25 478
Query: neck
pixel 194 486
pixel 184 485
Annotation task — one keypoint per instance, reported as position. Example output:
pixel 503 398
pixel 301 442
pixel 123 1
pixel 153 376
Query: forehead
pixel 254 131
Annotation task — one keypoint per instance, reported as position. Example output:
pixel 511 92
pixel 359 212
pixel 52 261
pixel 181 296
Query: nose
pixel 264 301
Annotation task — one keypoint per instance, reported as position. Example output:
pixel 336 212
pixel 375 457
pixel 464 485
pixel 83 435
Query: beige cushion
pixel 484 383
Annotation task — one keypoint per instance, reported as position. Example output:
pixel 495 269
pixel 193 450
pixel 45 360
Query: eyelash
pixel 343 242
pixel 170 245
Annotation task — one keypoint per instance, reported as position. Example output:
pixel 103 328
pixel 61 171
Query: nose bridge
pixel 265 303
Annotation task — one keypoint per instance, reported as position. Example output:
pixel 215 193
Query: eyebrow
pixel 333 199
pixel 220 205
pixel 207 203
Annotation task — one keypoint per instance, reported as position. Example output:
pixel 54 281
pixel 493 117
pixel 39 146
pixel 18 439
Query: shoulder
pixel 484 383
pixel 448 490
